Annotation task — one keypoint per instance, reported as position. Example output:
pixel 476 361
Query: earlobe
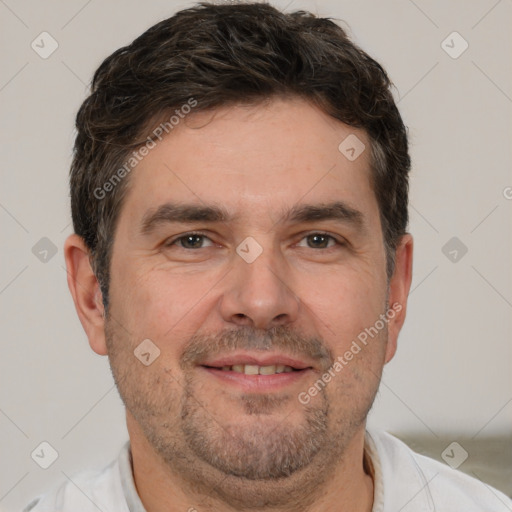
pixel 399 286
pixel 86 293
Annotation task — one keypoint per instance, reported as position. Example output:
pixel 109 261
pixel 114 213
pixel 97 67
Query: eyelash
pixel 174 241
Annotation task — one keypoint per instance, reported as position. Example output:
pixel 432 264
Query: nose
pixel 259 294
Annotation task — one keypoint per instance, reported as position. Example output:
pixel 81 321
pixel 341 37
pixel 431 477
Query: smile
pixel 253 369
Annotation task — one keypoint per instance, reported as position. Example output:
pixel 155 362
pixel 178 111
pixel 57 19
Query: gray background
pixel 452 375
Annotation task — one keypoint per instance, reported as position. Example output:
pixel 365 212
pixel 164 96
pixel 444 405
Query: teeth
pixel 265 370
pixel 253 369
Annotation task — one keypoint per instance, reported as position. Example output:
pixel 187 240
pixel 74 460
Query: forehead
pixel 255 160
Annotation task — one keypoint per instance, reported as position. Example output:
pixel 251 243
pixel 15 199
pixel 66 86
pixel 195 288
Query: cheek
pixel 166 307
pixel 343 304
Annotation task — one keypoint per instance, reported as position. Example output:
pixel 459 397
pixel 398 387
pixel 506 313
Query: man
pixel 239 198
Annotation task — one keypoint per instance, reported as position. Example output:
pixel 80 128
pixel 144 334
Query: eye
pixel 189 241
pixel 320 241
pixel 198 241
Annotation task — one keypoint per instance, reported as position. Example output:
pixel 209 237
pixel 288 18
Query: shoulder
pixel 88 491
pixel 414 482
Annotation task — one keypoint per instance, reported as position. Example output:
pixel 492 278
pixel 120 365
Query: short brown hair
pixel 220 55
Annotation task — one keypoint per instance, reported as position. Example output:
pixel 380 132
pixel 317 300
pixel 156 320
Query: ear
pixel 399 286
pixel 85 289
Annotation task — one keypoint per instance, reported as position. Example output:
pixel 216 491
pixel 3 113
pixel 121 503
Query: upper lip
pixel 257 359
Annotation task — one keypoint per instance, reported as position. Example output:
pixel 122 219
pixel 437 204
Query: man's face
pixel 272 284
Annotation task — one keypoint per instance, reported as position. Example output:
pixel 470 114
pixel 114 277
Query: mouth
pixel 254 369
pixel 255 373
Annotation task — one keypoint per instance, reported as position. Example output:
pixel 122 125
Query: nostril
pixel 242 319
pixel 281 317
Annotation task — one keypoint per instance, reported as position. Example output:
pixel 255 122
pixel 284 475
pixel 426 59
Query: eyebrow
pixel 181 213
pixel 189 213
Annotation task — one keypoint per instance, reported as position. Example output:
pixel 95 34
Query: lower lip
pixel 258 382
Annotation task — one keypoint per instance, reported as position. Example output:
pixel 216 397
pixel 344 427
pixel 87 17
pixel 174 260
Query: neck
pixel 322 486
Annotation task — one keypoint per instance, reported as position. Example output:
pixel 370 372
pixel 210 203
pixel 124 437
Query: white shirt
pixel 404 481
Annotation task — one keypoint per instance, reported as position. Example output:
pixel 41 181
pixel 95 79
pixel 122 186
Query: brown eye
pixel 190 241
pixel 320 241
